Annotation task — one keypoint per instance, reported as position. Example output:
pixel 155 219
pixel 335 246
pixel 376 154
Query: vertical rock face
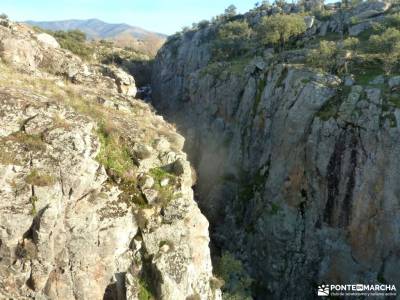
pixel 96 197
pixel 296 173
pixel 56 238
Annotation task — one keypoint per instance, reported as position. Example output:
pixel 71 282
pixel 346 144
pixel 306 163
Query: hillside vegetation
pixel 289 29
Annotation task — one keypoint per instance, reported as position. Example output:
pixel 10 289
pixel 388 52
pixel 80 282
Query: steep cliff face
pixel 96 197
pixel 297 172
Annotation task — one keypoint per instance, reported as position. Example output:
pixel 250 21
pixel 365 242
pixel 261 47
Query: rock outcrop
pixel 297 173
pixel 96 197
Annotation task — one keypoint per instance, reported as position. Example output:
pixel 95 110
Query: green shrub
pixel 203 24
pixel 328 57
pixel 165 193
pixel 233 40
pixel 351 43
pixel 350 3
pixel 230 11
pixel 74 41
pixel 322 15
pixel 278 29
pixel 145 292
pixel 237 281
pixel 392 20
pixel 387 45
pixel 33 200
pixel 114 155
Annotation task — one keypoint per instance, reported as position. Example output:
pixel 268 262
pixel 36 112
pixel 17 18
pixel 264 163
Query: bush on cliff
pixel 329 57
pixel 388 45
pixel 237 281
pixel 233 39
pixel 278 29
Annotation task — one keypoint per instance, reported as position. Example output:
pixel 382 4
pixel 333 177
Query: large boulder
pixel 47 40
pixel 125 82
pixel 309 20
pixel 370 9
pixel 20 53
pixel 357 29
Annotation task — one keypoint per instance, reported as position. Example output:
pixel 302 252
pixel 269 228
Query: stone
pixel 124 81
pixel 370 9
pixel 309 20
pixel 164 182
pixel 394 81
pixel 150 195
pixel 349 80
pixel 380 79
pixel 146 182
pixel 178 167
pixel 47 40
pixel 323 28
pixel 20 53
pixel 355 30
pixel 143 151
pixel 374 95
pixel 164 248
pixel 259 63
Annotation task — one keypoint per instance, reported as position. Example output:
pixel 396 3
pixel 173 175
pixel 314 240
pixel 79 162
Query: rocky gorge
pixel 95 198
pixel 297 169
pixel 274 171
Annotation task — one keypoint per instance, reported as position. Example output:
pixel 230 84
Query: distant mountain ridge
pixel 123 35
pixel 97 29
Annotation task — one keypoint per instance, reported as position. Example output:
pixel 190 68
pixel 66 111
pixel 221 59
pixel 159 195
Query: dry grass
pixel 29 142
pixel 6 157
pixel 39 179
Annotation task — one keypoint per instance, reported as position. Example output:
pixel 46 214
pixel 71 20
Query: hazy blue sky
pixel 165 16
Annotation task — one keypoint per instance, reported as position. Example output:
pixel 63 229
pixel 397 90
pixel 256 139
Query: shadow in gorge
pixel 116 290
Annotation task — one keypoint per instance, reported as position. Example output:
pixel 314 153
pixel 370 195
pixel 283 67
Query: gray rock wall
pixel 296 173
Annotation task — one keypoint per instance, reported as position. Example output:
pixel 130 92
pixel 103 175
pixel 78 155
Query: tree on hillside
pixel 278 29
pixel 233 39
pixel 350 3
pixel 230 11
pixel 392 20
pixel 388 45
pixel 280 3
pixel 351 43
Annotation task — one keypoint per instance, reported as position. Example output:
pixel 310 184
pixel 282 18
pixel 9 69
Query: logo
pixel 357 290
pixel 323 290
